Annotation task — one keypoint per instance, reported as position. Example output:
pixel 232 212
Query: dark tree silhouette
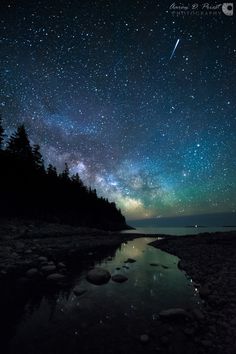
pixel 65 175
pixel 19 144
pixel 51 171
pixel 28 191
pixel 38 158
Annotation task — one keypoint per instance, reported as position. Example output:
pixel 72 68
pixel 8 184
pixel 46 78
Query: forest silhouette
pixel 28 190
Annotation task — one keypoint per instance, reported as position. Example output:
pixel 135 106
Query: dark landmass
pixel 209 259
pixel 29 191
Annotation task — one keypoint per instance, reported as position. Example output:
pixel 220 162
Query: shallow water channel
pixel 107 318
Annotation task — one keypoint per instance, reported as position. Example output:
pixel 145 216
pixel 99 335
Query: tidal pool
pixel 106 318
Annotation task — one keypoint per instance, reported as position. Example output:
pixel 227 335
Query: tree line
pixel 29 190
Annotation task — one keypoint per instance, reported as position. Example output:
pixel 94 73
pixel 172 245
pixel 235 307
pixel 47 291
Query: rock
pixel 233 322
pixel 154 264
pixel 51 263
pixel 119 278
pixel 144 338
pixel 117 268
pixel 182 264
pixel 61 265
pixel 78 291
pixel 204 291
pixel 98 276
pixel 174 313
pixel 164 267
pixel 130 260
pixel 189 331
pixel 14 254
pixel 125 267
pixel 198 314
pixel 48 269
pixel 55 277
pixel 32 272
pixel 164 340
pixel 42 259
pixel 29 251
pixel 206 343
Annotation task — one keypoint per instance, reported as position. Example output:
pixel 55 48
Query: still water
pixel 108 318
pixel 178 231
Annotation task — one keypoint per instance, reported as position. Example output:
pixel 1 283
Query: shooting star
pixel 173 52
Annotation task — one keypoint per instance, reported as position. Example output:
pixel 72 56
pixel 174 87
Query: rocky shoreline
pixel 27 247
pixel 44 255
pixel 209 259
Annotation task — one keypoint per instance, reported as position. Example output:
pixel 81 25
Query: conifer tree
pixel 65 175
pixel 19 144
pixel 38 158
pixel 51 171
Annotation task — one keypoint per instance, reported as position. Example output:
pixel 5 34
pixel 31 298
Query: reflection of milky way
pixel 95 87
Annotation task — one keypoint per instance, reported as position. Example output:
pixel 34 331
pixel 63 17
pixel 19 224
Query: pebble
pixel 144 338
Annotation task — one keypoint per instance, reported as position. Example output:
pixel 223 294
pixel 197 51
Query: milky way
pixel 93 82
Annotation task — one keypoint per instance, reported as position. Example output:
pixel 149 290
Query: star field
pixel 95 86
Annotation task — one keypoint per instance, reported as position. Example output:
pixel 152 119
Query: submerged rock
pixel 154 264
pixel 164 266
pixel 119 278
pixel 130 260
pixel 98 276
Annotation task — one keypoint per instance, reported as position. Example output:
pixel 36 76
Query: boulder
pixel 98 276
pixel 42 259
pixel 119 278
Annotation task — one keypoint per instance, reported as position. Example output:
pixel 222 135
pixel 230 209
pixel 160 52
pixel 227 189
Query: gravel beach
pixel 209 259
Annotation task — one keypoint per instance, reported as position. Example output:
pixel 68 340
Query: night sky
pixel 95 86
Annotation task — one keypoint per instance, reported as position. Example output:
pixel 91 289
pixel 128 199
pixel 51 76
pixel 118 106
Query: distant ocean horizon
pixel 185 225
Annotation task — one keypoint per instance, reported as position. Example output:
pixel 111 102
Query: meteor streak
pixel 173 52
